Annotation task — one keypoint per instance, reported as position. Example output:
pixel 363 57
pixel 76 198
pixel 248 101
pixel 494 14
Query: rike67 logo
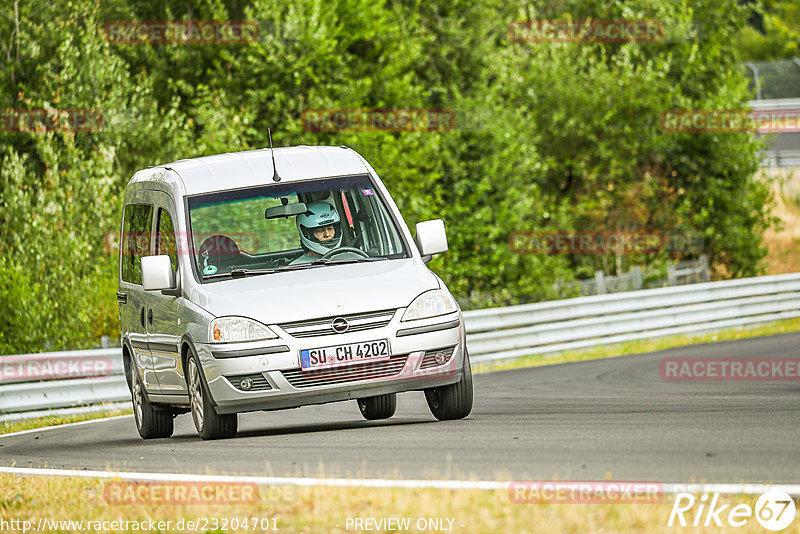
pixel 774 510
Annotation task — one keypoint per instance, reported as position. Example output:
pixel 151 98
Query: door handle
pixel 141 317
pixel 150 316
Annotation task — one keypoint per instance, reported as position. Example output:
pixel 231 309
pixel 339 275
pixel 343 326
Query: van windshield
pixel 286 226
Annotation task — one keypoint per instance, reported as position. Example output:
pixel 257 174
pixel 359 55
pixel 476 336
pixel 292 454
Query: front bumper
pixel 275 366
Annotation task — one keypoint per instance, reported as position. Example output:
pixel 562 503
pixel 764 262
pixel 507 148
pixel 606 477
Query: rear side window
pixel 165 238
pixel 136 226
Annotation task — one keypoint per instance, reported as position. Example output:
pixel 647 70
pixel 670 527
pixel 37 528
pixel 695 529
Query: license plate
pixel 337 355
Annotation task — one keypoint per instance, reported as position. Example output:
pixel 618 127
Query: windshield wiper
pixel 241 273
pixel 325 261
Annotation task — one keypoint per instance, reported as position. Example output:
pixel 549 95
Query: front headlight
pixel 233 329
pixel 430 304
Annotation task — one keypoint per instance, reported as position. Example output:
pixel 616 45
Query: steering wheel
pixel 344 249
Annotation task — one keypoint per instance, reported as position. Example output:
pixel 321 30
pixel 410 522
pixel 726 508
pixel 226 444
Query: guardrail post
pixel 637 278
pixel 600 282
pixel 705 274
pixel 672 276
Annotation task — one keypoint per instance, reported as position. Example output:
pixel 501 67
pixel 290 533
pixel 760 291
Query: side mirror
pixel 431 238
pixel 157 273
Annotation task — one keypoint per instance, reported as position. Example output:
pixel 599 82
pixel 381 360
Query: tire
pixel 209 424
pixel 378 407
pixel 151 422
pixel 453 401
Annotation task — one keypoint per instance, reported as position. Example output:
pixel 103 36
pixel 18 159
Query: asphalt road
pixel 575 421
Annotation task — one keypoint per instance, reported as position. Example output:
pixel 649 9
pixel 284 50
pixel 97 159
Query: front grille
pixel 429 360
pixel 259 383
pixel 351 373
pixel 323 327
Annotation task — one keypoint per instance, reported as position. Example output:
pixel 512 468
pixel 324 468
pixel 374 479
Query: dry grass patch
pixel 784 244
pixel 327 509
pixel 53 420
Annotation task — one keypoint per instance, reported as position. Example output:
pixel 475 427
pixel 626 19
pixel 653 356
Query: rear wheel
pixel 209 424
pixel 378 407
pixel 151 422
pixel 453 401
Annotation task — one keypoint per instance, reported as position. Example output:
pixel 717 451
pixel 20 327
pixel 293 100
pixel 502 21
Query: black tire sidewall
pixel 453 401
pixel 215 426
pixel 378 407
pixel 155 423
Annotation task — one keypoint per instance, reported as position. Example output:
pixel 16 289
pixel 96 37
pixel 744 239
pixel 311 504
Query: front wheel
pixel 150 421
pixel 453 401
pixel 209 424
pixel 378 407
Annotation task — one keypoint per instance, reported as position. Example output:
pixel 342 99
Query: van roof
pixel 254 167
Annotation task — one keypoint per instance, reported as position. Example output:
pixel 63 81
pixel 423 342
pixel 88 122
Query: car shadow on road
pixel 313 428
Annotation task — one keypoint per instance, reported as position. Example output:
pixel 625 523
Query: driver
pixel 320 231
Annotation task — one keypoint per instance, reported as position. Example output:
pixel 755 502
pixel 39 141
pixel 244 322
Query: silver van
pixel 264 280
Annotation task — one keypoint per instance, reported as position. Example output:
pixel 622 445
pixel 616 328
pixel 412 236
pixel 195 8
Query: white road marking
pixel 485 485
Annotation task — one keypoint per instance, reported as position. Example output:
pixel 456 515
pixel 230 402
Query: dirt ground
pixel 784 244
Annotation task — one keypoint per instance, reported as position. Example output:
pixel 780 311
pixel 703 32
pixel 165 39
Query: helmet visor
pixel 329 235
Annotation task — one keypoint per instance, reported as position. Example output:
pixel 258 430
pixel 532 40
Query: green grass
pixel 52 420
pixel 639 347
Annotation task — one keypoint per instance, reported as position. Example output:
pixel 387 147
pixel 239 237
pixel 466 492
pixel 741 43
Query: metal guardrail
pixel 780 158
pixel 38 383
pixel 776 104
pixel 784 153
pixel 511 332
pixel 492 334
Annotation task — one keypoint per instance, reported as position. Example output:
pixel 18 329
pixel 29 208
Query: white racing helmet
pixel 319 214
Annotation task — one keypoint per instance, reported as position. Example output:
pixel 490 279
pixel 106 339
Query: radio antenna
pixel 275 176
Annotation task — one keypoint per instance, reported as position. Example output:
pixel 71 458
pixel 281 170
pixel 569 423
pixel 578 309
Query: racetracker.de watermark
pixel 136 493
pixel 729 369
pixel 180 32
pixel 730 121
pixel 379 120
pixel 51 120
pixel 605 242
pixel 34 367
pixel 585 492
pixel 642 31
pixel 586 31
pixel 109 120
pixel 213 243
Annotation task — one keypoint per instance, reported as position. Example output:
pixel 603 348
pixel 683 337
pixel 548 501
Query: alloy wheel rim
pixel 196 393
pixel 137 402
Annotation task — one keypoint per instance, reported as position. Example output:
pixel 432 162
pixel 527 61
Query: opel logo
pixel 340 325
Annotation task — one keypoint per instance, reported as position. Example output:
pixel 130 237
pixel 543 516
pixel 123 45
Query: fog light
pixel 246 384
pixel 440 357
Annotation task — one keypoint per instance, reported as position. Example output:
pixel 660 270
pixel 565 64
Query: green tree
pixel 548 137
pixel 59 188
pixel 773 32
